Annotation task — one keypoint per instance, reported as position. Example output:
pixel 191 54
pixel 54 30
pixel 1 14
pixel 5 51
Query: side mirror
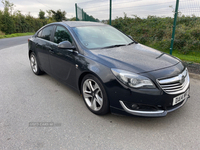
pixel 130 36
pixel 65 45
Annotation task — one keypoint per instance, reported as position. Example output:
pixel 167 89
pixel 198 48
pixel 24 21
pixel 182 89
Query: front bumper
pixel 170 83
pixel 151 102
pixel 157 113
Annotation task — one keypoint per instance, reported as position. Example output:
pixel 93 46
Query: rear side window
pixel 46 33
pixel 40 34
pixel 61 34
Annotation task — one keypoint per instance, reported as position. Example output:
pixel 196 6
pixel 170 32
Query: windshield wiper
pixel 117 45
pixel 131 43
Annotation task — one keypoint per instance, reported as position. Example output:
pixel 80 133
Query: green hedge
pixel 156 32
pixel 19 23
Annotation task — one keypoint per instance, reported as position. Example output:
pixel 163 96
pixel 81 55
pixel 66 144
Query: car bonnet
pixel 135 57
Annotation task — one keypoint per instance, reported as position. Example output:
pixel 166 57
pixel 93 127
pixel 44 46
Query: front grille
pixel 175 85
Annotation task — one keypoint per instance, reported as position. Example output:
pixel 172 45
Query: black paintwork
pixel 61 64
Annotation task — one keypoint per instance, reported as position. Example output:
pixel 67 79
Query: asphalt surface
pixel 9 42
pixel 26 99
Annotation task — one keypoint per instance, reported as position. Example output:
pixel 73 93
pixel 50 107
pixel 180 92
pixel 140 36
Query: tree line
pixel 15 22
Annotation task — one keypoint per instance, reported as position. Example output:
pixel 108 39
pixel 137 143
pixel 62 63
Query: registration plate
pixel 180 98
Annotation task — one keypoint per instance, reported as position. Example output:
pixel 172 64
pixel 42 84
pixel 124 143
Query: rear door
pixel 62 61
pixel 43 47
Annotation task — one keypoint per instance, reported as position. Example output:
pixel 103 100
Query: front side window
pixel 61 34
pixel 46 33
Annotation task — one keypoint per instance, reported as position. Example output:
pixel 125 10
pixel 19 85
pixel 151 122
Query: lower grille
pixel 176 84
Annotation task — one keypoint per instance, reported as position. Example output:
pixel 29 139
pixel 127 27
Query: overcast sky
pixel 100 8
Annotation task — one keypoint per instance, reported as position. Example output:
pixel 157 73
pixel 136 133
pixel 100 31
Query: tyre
pixel 34 64
pixel 94 95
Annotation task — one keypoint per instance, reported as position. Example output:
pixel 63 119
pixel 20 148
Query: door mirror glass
pixel 66 45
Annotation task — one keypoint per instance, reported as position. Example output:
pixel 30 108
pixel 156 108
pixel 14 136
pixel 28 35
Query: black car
pixel 112 71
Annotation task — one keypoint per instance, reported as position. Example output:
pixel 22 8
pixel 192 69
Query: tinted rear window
pixel 46 33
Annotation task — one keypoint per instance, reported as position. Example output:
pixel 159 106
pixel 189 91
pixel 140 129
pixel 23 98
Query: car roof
pixel 81 23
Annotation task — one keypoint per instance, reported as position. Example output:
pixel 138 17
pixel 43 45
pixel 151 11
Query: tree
pixel 16 22
pixel 59 15
pixel 8 6
pixel 1 14
pixel 6 19
pixel 49 14
pixel 73 19
pixel 41 14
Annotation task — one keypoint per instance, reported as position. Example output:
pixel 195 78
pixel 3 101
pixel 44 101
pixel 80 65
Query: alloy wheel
pixel 92 94
pixel 33 62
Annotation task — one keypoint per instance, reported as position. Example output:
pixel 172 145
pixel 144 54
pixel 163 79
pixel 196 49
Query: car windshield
pixel 93 37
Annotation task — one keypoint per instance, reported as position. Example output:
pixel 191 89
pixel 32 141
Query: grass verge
pixel 192 57
pixel 188 58
pixel 15 35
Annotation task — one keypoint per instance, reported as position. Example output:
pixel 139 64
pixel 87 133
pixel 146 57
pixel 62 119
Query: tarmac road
pixel 65 123
pixel 9 42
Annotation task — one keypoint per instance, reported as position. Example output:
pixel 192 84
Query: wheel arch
pixel 29 53
pixel 83 75
pixel 81 78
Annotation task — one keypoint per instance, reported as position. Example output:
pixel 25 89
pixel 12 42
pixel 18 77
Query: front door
pixel 62 61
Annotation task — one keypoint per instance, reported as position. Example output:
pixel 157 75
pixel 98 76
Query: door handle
pixel 48 47
pixel 51 51
pixel 70 50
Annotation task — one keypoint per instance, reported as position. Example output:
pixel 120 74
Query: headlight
pixel 132 80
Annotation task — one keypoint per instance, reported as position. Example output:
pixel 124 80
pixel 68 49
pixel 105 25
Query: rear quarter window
pixel 39 34
pixel 46 33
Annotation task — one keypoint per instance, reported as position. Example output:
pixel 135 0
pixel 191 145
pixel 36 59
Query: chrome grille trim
pixel 175 85
pixel 171 85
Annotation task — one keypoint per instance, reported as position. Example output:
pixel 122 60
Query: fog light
pixel 134 106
